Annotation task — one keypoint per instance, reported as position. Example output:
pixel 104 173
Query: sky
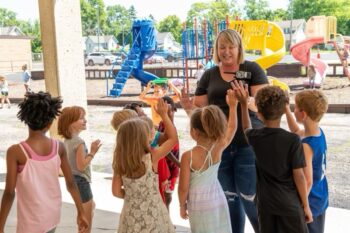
pixel 28 9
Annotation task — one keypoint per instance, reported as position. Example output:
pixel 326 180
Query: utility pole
pixel 291 24
pixel 98 28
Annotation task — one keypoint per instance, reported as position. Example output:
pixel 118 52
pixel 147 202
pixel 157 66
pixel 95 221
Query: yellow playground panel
pixel 264 36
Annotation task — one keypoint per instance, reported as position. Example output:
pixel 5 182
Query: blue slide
pixel 143 47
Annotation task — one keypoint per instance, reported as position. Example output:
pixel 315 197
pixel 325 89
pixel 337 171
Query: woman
pixel 237 169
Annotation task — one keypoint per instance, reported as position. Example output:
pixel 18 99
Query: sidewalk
pixel 108 207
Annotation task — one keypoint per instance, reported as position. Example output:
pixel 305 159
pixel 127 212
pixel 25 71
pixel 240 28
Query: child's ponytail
pixel 214 122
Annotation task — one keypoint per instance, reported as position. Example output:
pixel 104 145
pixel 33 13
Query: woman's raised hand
pixel 185 100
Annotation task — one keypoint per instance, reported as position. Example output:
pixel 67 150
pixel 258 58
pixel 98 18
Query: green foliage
pixel 171 24
pixel 93 17
pixel 7 18
pixel 212 11
pixel 257 9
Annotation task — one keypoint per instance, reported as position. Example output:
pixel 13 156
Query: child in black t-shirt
pixel 281 186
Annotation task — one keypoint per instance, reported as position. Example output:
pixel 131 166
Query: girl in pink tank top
pixel 32 170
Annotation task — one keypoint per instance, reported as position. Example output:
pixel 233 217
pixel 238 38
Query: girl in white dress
pixel 200 194
pixel 135 177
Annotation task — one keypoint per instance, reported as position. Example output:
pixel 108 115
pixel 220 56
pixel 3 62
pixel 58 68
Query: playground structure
pixel 143 47
pixel 319 30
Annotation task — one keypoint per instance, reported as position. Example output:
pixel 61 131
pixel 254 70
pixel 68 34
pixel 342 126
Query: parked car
pixel 123 55
pixel 167 54
pixel 102 58
pixel 155 59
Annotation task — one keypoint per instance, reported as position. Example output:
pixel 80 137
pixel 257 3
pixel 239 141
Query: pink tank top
pixel 38 191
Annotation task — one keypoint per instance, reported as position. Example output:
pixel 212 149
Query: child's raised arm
pixel 232 102
pixel 242 94
pixel 72 189
pixel 166 147
pixel 292 123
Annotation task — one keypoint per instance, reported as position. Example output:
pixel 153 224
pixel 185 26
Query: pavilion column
pixel 61 35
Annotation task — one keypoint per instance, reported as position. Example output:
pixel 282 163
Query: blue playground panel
pixel 143 47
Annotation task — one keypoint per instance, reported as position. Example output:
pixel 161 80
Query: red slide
pixel 301 50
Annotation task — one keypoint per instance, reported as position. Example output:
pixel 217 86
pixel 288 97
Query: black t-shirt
pixel 212 85
pixel 277 153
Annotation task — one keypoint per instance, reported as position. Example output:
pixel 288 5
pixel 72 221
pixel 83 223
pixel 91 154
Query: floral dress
pixel 144 210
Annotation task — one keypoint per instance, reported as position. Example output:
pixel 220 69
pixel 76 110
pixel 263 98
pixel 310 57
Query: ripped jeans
pixel 237 176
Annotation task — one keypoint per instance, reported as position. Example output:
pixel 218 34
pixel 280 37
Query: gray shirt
pixel 71 147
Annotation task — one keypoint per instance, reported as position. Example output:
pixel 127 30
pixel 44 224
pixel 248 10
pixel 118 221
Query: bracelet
pixel 90 155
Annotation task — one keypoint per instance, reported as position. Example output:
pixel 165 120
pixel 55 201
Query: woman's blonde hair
pixel 121 116
pixel 2 78
pixel 313 102
pixel 132 145
pixel 210 122
pixel 69 115
pixel 233 37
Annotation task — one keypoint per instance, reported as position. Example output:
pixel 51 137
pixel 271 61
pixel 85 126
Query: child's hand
pixel 308 214
pixel 95 146
pixel 185 101
pixel 183 212
pixel 231 99
pixel 162 108
pixel 83 224
pixel 241 92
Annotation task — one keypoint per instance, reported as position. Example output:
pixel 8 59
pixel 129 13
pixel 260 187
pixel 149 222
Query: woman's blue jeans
pixel 237 176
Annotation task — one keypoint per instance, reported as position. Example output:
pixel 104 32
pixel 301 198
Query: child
pixel 70 124
pixel 281 185
pixel 159 90
pixel 310 105
pixel 26 76
pixel 135 179
pixel 136 107
pixel 172 159
pixel 4 89
pixel 121 116
pixel 200 194
pixel 33 168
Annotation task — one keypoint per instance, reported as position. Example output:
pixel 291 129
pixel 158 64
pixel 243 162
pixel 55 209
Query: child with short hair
pixel 33 168
pixel 4 91
pixel 135 177
pixel 137 107
pixel 281 186
pixel 201 196
pixel 310 106
pixel 70 124
pixel 121 116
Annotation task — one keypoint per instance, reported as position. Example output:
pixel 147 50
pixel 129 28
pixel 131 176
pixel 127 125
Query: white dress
pixel 143 210
pixel 207 205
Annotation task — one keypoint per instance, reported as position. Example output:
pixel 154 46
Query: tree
pixel 93 16
pixel 118 21
pixel 7 18
pixel 171 24
pixel 212 11
pixel 257 9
